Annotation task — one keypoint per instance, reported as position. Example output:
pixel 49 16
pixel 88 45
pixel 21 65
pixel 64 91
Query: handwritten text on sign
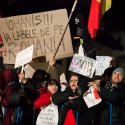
pixel 48 116
pixel 103 62
pixel 83 65
pixel 43 30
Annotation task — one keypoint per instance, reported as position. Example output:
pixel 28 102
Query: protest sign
pixel 43 30
pixel 48 115
pixel 24 56
pixel 103 62
pixel 28 71
pixel 83 65
pixel 91 97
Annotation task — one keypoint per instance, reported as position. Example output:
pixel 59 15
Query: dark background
pixel 110 38
pixel 114 19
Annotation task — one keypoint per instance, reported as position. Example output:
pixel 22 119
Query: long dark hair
pixel 53 82
pixel 40 76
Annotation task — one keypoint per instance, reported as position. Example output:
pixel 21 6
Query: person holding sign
pixel 113 94
pixel 44 100
pixel 31 89
pixel 69 102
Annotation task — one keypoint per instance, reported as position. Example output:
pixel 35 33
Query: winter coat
pixel 68 108
pixel 43 100
pixel 114 97
pixel 30 94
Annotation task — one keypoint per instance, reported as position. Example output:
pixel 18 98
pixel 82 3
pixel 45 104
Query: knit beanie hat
pixel 120 70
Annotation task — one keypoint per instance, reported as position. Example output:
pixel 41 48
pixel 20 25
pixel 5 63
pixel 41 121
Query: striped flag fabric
pixel 97 9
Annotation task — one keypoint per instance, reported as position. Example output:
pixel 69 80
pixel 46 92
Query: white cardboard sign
pixel 83 65
pixel 103 62
pixel 24 56
pixel 48 115
pixel 28 71
pixel 43 30
pixel 91 98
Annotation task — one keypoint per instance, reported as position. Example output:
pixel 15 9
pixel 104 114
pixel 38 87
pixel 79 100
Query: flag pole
pixel 72 10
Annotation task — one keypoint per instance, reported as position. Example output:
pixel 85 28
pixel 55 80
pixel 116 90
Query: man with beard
pixel 113 96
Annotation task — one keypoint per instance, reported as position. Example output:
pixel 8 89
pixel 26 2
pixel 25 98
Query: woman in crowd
pixel 69 102
pixel 45 98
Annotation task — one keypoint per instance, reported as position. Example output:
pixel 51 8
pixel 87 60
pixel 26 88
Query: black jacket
pixel 115 97
pixel 61 99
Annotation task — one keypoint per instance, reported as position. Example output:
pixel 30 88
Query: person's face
pixel 52 88
pixel 117 78
pixel 73 82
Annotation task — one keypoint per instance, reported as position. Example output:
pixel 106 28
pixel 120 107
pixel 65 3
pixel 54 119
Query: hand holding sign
pixel 92 98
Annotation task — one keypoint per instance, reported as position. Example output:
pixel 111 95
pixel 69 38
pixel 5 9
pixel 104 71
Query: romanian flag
pixel 98 8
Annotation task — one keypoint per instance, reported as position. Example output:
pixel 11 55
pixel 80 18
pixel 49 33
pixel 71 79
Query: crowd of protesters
pixel 21 98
